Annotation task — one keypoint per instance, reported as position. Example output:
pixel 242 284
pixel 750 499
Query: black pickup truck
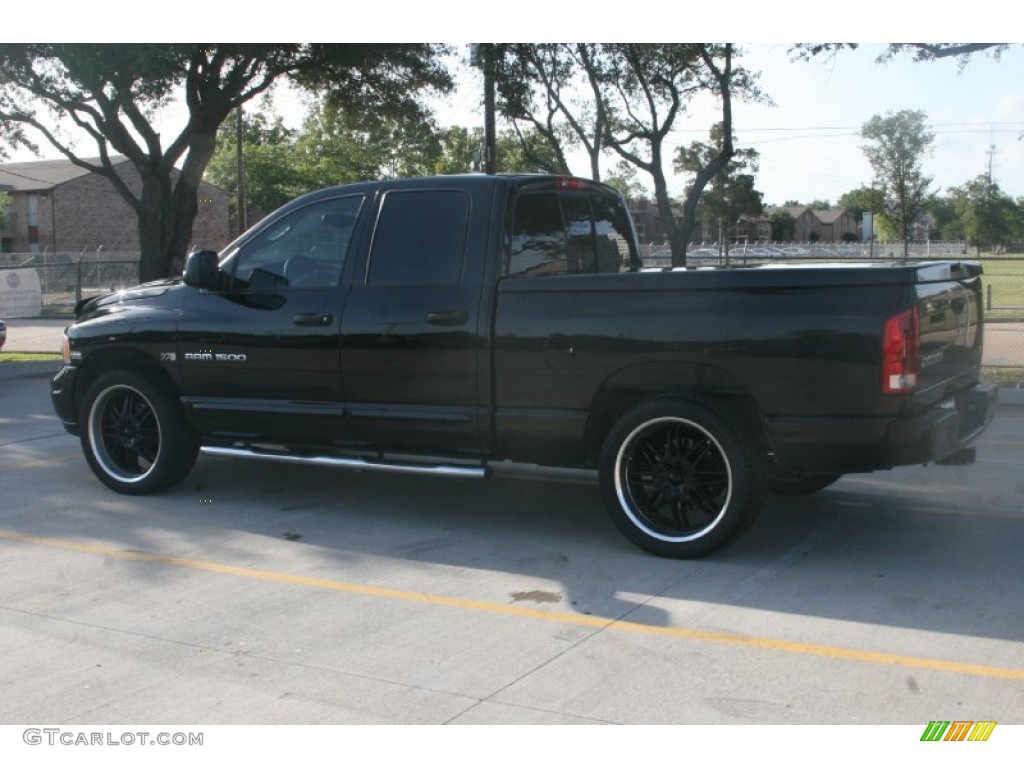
pixel 441 324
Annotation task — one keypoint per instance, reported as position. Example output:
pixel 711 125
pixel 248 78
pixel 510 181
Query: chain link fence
pixel 66 278
pixel 659 255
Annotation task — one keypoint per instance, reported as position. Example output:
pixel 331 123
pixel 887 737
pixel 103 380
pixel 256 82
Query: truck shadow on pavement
pixel 867 550
pixel 936 549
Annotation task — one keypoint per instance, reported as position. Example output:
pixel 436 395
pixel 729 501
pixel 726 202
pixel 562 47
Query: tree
pixel 919 51
pixel 862 200
pixel 783 226
pixel 272 177
pixel 624 98
pixel 534 86
pixel 731 193
pixel 989 217
pixel 643 89
pixel 945 217
pixel 111 92
pixel 897 145
pixel 519 151
pixel 340 145
pixel 624 178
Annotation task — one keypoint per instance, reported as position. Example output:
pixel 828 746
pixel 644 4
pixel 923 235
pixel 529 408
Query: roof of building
pixel 831 215
pixel 45 174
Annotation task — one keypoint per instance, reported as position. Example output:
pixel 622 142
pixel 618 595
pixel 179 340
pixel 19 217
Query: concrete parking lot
pixel 261 593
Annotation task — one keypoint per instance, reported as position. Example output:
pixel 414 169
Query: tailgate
pixel 949 303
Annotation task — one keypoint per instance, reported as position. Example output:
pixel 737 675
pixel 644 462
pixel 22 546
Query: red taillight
pixel 570 182
pixel 901 353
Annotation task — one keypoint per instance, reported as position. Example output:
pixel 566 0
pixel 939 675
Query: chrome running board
pixel 446 470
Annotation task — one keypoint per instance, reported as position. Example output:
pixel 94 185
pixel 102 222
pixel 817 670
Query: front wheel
pixel 134 435
pixel 678 479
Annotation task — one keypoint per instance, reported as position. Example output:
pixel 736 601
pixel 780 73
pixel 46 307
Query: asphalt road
pixel 263 593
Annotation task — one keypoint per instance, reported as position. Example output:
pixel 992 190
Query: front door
pixel 260 358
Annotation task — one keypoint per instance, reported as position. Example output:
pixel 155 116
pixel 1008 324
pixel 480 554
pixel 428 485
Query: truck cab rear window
pixel 568 233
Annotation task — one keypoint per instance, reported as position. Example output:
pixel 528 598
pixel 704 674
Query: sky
pixel 808 139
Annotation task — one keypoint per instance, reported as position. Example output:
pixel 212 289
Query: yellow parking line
pixel 706 636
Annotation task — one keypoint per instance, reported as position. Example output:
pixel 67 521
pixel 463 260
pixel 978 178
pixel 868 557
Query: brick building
pixel 55 206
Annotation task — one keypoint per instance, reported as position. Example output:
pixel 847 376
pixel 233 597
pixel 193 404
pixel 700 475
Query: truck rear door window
pixel 420 238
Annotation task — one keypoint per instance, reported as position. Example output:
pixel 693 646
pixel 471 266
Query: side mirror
pixel 201 270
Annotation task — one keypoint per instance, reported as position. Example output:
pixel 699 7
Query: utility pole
pixel 482 55
pixel 991 152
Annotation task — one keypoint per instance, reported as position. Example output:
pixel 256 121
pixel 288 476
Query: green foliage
pixel 271 175
pixel 534 87
pixel 896 147
pixel 989 217
pixel 862 200
pixel 624 178
pixel 945 218
pixel 111 91
pixel 626 98
pixel 340 146
pixel 730 194
pixel 918 51
pixel 784 225
pixel 5 211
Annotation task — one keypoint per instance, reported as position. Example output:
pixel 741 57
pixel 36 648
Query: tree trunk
pixel 168 209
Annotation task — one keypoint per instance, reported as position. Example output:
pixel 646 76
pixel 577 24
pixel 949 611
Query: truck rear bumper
pixel 841 445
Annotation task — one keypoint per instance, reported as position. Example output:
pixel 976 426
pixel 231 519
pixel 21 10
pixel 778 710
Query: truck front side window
pixel 305 249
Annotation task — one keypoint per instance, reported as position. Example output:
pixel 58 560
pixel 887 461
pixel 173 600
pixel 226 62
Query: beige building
pixel 828 226
pixel 55 206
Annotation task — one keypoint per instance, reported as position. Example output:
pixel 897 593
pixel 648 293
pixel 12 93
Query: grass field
pixel 1004 287
pixel 27 357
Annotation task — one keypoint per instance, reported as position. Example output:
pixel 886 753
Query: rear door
pixel 413 336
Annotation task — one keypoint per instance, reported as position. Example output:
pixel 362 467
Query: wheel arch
pixel 636 384
pixel 118 358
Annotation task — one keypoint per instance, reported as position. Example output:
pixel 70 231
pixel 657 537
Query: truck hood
pixel 100 305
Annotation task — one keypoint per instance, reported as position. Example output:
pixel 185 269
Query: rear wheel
pixel 796 484
pixel 134 435
pixel 678 479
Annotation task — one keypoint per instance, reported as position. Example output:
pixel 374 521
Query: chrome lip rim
pixel 626 497
pixel 99 443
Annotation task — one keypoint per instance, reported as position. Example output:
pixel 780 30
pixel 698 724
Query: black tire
pixel 678 479
pixel 796 484
pixel 134 434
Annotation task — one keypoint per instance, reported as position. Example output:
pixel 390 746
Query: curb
pixel 42 369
